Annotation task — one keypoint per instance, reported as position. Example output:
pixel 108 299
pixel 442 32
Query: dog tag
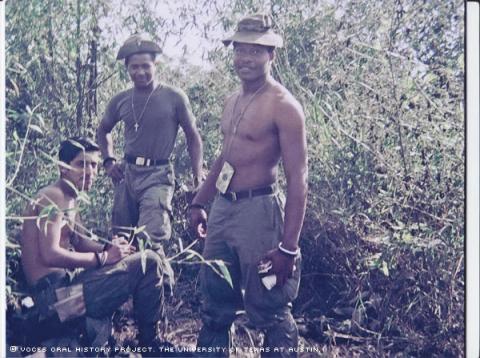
pixel 224 177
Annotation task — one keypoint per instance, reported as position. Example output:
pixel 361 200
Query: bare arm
pixel 50 231
pixel 49 240
pixel 104 135
pixel 83 242
pixel 195 149
pixel 293 143
pixel 198 215
pixel 208 189
pixel 194 141
pixel 105 141
pixel 290 123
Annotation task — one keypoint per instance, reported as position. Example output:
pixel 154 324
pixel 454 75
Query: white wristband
pixel 103 257
pixel 288 252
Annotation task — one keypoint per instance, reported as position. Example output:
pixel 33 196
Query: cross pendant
pixel 136 127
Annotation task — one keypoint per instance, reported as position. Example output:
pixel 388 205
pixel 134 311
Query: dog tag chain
pixel 227 172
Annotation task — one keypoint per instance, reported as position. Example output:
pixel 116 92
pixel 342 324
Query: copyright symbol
pixel 13 348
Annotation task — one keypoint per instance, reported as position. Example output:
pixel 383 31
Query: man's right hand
pixel 198 222
pixel 119 249
pixel 114 171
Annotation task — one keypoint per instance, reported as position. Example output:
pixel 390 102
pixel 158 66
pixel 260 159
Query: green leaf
pixel 143 255
pixel 36 128
pixel 224 270
pixel 384 268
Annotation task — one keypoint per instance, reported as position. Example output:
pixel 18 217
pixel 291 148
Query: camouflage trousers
pixel 97 293
pixel 240 233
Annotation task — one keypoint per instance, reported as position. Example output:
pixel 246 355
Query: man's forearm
pixel 294 212
pixel 208 190
pixel 195 151
pixel 70 259
pixel 105 143
pixel 88 245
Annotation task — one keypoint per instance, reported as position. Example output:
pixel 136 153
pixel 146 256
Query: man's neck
pixel 67 188
pixel 253 86
pixel 147 89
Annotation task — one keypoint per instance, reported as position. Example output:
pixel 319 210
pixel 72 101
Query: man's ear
pixel 272 55
pixel 62 167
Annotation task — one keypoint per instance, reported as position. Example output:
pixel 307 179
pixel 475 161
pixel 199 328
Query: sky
pixel 189 47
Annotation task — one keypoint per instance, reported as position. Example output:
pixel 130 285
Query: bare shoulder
pixel 50 195
pixel 285 106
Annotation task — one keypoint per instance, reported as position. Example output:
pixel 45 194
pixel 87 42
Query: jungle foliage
pixel 382 86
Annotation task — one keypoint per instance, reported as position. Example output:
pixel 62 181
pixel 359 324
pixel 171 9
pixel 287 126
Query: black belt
pixel 145 162
pixel 237 195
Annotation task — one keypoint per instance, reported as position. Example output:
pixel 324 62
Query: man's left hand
pixel 282 265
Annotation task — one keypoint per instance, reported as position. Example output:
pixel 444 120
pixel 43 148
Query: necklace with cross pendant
pixel 135 119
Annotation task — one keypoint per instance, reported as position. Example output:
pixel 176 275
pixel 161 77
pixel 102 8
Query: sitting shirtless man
pixel 53 241
pixel 261 124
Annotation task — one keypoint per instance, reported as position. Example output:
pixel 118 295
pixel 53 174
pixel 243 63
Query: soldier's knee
pixel 152 258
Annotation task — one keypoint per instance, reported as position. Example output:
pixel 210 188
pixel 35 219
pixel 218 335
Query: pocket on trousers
pixel 70 302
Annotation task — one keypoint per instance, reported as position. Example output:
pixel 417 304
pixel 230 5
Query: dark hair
pixel 70 148
pixel 152 54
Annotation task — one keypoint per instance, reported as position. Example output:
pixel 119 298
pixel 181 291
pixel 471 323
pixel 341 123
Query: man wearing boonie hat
pixel 248 223
pixel 151 113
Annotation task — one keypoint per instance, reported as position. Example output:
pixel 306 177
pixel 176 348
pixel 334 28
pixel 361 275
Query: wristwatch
pixel 108 159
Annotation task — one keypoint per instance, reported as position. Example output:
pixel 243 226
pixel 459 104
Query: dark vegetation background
pixel 382 85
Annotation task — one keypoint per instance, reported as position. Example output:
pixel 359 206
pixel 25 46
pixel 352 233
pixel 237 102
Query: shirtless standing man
pixel 112 272
pixel 248 223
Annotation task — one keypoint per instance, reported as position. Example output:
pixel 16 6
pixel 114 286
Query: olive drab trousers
pixel 240 233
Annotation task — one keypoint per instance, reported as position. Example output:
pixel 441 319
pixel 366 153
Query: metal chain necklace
pixel 135 119
pixel 241 115
pixel 242 112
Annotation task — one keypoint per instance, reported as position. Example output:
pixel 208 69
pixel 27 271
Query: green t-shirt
pixel 157 126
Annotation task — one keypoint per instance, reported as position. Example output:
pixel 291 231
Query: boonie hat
pixel 137 43
pixel 255 29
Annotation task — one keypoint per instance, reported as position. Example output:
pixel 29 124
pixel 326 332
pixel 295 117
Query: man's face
pixel 141 68
pixel 251 61
pixel 83 170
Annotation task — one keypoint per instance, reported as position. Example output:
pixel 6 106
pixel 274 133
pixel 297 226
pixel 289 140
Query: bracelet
pixel 196 206
pixel 288 252
pixel 104 257
pixel 101 258
pixel 107 159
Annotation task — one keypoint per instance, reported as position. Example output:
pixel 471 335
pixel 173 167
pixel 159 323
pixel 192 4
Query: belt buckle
pixel 139 161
